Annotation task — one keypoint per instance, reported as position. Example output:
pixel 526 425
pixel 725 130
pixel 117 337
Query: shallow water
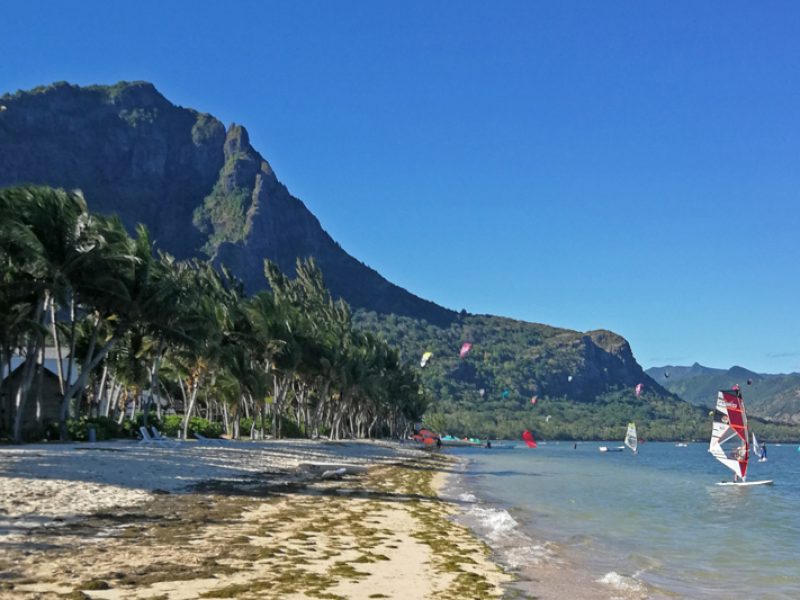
pixel 654 524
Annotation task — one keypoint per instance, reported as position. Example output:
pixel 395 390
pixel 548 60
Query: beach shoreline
pixel 280 519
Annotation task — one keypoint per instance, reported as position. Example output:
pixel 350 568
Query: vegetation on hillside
pixel 583 390
pixel 146 333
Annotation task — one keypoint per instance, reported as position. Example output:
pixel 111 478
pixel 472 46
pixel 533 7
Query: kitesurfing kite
pixel 639 388
pixel 528 437
pixel 465 348
pixel 425 358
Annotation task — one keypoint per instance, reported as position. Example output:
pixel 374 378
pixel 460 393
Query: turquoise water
pixel 655 518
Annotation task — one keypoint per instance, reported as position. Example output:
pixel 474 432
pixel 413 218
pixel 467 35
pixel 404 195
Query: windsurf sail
pixel 631 441
pixel 755 448
pixel 426 356
pixel 638 389
pixel 465 348
pixel 730 427
pixel 528 437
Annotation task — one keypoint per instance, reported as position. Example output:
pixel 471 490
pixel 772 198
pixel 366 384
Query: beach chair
pixel 160 438
pixel 146 437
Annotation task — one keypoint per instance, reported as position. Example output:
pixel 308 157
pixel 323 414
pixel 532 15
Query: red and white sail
pixel 729 438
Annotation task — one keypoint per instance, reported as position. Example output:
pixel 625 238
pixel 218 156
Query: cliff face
pixel 129 150
pixel 199 188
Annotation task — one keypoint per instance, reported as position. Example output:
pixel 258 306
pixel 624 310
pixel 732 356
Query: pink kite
pixel 465 348
pixel 639 388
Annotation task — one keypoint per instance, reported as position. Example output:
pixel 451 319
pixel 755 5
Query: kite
pixel 534 399
pixel 528 437
pixel 465 348
pixel 547 418
pixel 639 388
pixel 425 358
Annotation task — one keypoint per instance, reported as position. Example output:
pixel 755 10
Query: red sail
pixel 737 421
pixel 528 437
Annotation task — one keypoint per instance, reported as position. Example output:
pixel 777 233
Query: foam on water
pixel 622 583
pixel 501 531
pixel 496 524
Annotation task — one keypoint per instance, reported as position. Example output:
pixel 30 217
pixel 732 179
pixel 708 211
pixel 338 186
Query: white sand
pixel 41 481
pixel 370 525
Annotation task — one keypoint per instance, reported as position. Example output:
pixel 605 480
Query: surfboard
pixel 747 483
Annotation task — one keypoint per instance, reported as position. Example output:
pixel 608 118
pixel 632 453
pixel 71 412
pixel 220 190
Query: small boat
pixel 501 446
pixel 449 440
pixel 730 426
pixel 681 445
pixel 612 449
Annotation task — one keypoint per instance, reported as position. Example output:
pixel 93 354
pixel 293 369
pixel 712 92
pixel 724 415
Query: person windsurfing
pixel 763 451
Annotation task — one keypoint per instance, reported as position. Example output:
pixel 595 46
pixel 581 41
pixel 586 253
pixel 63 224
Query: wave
pixel 623 583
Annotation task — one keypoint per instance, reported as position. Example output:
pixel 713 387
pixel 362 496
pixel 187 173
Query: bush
pixel 172 426
pixel 78 429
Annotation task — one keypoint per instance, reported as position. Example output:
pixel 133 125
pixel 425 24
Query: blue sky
pixel 630 166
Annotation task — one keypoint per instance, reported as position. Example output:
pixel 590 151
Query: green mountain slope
pixel 583 382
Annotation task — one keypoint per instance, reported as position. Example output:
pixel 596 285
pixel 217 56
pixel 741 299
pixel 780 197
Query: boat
pixel 449 440
pixel 425 438
pixel 496 446
pixel 730 427
pixel 611 448
pixel 631 441
pixel 681 445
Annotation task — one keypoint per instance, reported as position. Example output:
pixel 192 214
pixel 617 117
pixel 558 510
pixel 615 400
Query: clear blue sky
pixel 631 166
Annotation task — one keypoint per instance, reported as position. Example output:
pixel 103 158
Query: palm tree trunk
pixel 27 373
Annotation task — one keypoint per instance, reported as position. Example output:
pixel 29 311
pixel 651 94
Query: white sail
pixel 756 448
pixel 631 441
pixel 730 427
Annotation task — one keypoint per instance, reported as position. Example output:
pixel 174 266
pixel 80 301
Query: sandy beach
pixel 234 520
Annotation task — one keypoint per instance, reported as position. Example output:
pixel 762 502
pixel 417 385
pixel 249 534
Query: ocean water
pixel 653 524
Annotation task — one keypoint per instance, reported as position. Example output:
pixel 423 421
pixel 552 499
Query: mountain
pixel 203 190
pixel 770 396
pixel 199 188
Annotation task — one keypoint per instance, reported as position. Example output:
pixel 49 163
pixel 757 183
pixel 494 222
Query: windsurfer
pixel 763 452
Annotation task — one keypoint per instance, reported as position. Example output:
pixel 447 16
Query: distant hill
pixel 775 397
